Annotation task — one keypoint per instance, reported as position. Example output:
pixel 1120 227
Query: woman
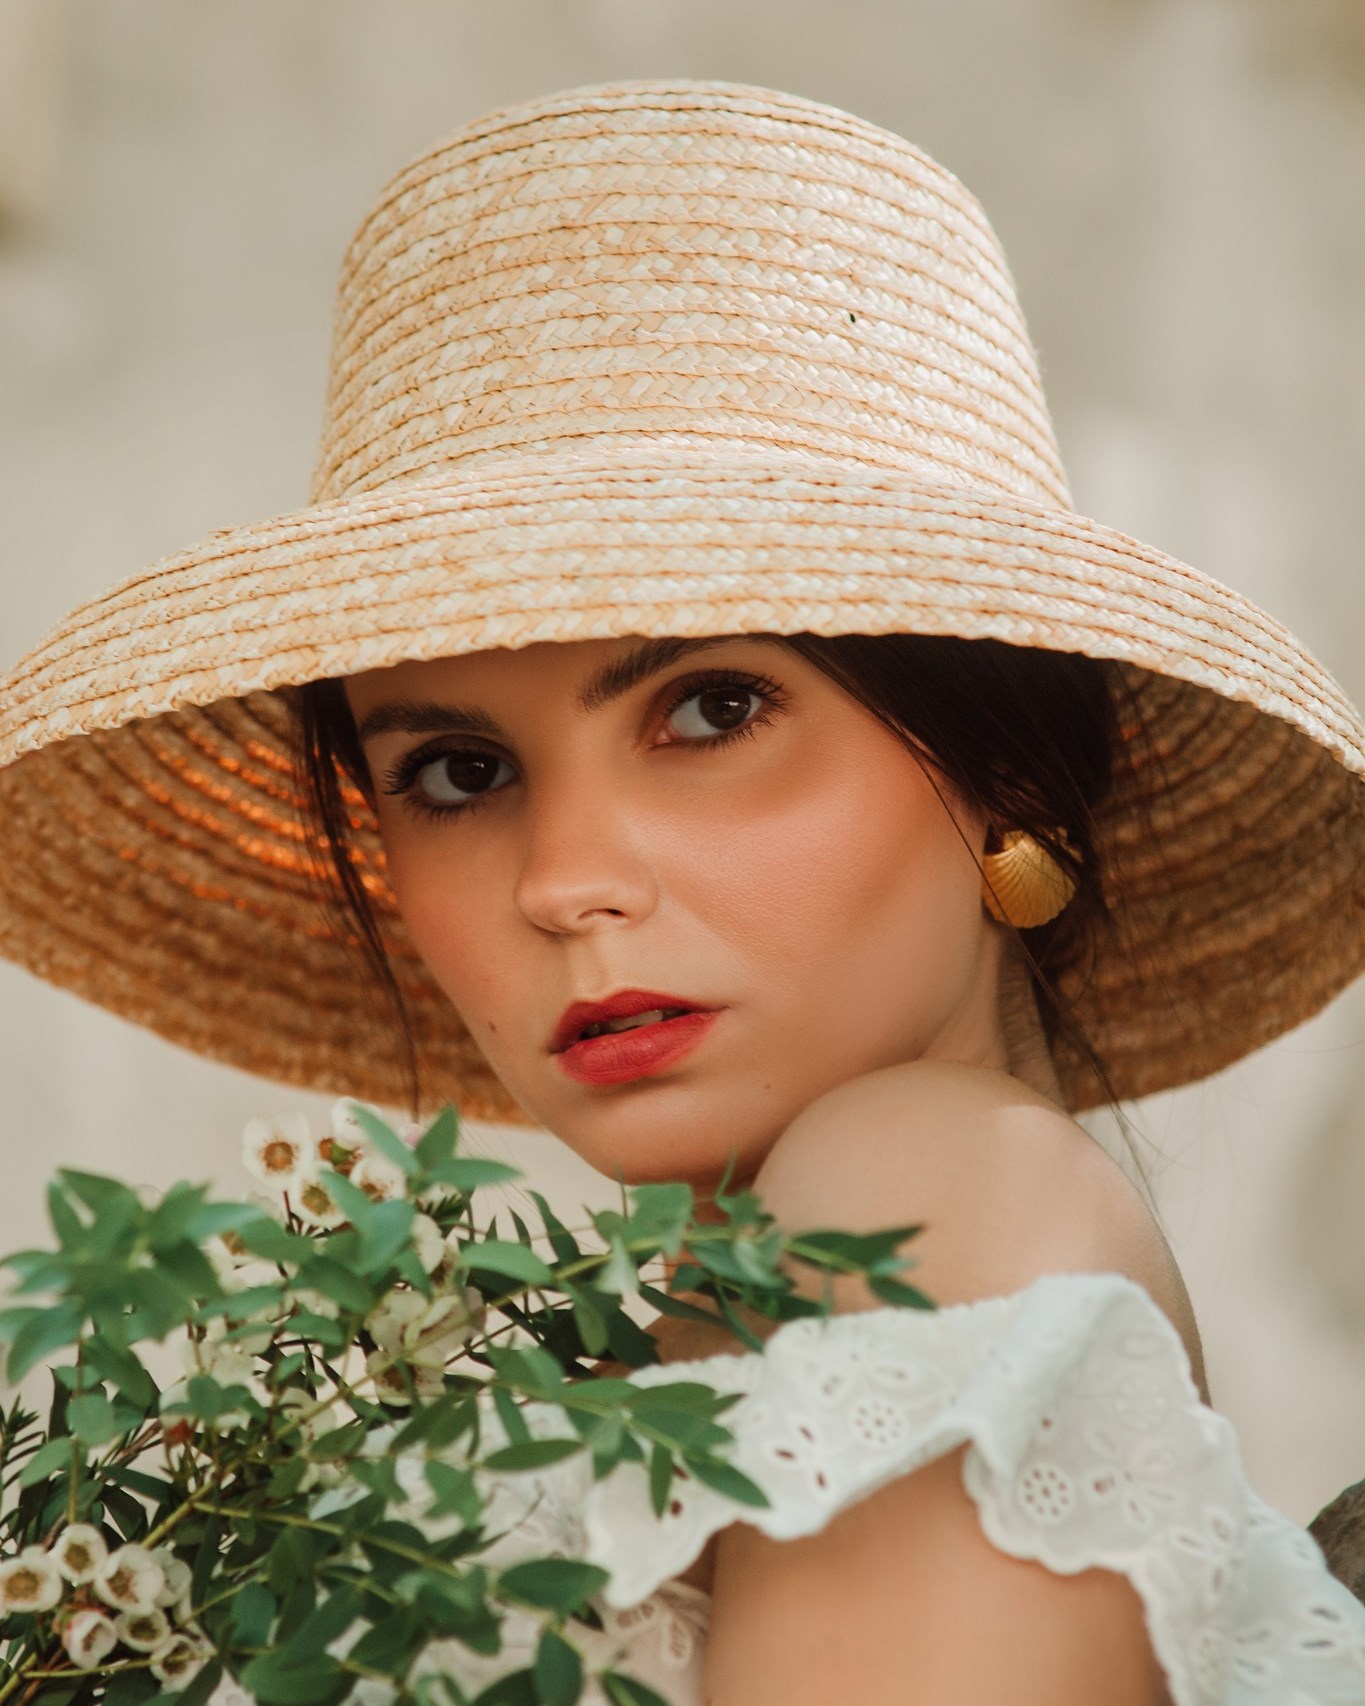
pixel 723 742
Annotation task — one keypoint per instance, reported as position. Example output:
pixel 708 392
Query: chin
pixel 662 1136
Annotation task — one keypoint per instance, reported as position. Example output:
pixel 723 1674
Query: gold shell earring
pixel 1024 885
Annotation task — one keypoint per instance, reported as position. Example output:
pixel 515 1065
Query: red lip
pixel 622 1005
pixel 616 1057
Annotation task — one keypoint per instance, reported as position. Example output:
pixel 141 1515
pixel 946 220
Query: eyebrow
pixel 611 681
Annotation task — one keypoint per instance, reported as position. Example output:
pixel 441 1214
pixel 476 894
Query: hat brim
pixel 148 753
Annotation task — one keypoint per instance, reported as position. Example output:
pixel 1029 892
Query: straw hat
pixel 660 358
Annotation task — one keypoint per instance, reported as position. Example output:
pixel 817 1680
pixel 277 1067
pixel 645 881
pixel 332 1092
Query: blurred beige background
pixel 1180 185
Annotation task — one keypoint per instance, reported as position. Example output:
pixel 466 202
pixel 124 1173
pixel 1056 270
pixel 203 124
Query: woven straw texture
pixel 661 359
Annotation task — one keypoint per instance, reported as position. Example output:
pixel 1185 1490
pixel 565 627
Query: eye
pixel 455 778
pixel 714 710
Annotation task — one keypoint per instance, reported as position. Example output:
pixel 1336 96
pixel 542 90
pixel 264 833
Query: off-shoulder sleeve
pixel 1087 1445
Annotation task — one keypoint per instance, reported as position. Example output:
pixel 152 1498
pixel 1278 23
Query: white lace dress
pixel 1087 1445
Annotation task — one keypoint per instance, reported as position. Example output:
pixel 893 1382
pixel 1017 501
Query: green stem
pixel 284 1519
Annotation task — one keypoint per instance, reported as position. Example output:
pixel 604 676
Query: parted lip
pixel 620 1005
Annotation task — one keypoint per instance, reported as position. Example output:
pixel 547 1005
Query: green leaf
pixel 628 1342
pixel 101 1195
pixel 386 1230
pixel 111 1362
pixel 849 1251
pixel 240 1305
pixel 618 1275
pixel 558 1671
pixel 171 1219
pixel 161 1301
pixel 562 1241
pixel 466 1173
pixel 662 1212
pixel 11 1320
pixel 385 1139
pixel 660 1478
pixel 517 1688
pixel 380 1475
pixel 292 1558
pixel 626 1691
pixel 212 1219
pixel 733 1483
pixel 339 1442
pixel 275 1683
pixel 55 1455
pixel 591 1323
pixel 898 1295
pixel 252 1615
pixel 131 1688
pixel 514 1261
pixel 390 1644
pixel 318 1329
pixel 563 1585
pixel 455 1492
pixel 92 1418
pixel 677 1308
pixel 509 1414
pixel 266 1238
pixel 338 1283
pixel 66 1223
pixel 205 1399
pixel 533 1454
pixel 287 1477
pixel 437 1143
pixel 150 1486
pixel 192 1268
pixel 39 1336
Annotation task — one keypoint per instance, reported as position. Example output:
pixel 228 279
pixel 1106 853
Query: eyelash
pixel 400 777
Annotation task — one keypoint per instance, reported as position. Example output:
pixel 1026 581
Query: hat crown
pixel 693 263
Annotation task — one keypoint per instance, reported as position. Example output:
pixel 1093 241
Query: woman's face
pixel 712 829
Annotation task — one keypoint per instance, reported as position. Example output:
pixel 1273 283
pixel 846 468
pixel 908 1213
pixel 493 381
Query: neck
pixel 1027 1056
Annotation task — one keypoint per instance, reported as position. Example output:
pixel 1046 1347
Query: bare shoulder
pixel 1007 1186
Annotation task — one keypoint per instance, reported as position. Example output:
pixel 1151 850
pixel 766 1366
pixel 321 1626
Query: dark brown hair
pixel 1027 736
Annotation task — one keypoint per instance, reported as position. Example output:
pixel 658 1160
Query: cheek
pixel 849 857
pixel 448 915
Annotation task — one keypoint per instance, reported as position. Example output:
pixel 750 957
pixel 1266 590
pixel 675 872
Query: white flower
pixel 89 1638
pixel 236 1268
pixel 344 1125
pixel 443 1330
pixel 427 1241
pixel 426 1332
pixel 178 1661
pixel 452 1258
pixel 79 1552
pixel 276 1151
pixel 130 1579
pixel 176 1584
pixel 294 1401
pixel 229 1364
pixel 143 1631
pixel 30 1582
pixel 393 1313
pixel 396 1385
pixel 378 1177
pixel 316 1302
pixel 313 1202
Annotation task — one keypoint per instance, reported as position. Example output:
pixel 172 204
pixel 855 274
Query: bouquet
pixel 278 1426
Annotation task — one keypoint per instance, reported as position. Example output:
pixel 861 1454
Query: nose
pixel 582 868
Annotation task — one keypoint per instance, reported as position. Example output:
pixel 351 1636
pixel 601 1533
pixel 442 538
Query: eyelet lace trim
pixel 1087 1445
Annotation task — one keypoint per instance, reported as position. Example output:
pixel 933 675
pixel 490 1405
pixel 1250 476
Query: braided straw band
pixel 661 360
